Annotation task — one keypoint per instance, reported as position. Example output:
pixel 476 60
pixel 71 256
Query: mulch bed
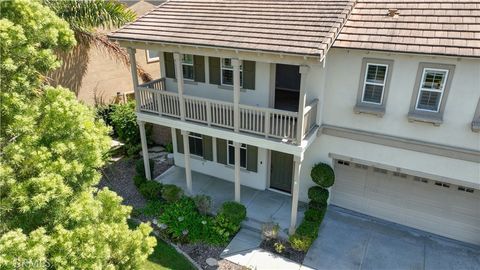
pixel 288 253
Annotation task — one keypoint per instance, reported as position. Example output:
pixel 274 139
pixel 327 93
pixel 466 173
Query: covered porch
pixel 262 205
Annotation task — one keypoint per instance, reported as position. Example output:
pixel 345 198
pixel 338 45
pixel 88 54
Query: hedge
pixel 323 175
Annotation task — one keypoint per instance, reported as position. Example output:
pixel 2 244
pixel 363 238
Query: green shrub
pixel 279 247
pixel 181 222
pixel 104 112
pixel 169 147
pixel 140 168
pixel 151 190
pixel 300 242
pixel 124 122
pixel 323 175
pixel 139 180
pixel 234 211
pixel 153 208
pixel 304 236
pixel 203 203
pixel 132 149
pixel 224 227
pixel 315 215
pixel 318 194
pixel 172 193
pixel 317 205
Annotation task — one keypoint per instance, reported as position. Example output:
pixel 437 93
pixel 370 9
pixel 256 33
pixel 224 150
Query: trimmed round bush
pixel 308 228
pixel 323 175
pixel 140 168
pixel 233 211
pixel 317 205
pixel 171 193
pixel 318 194
pixel 315 215
pixel 151 190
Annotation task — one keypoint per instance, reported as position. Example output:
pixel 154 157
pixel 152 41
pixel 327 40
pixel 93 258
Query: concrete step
pixel 252 224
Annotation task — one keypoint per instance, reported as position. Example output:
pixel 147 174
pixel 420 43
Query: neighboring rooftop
pixel 441 27
pixel 308 27
pixel 296 27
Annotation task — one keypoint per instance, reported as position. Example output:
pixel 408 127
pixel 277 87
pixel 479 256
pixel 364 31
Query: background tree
pixel 87 19
pixel 51 150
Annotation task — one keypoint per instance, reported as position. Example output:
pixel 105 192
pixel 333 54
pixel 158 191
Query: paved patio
pixel 262 205
pixel 353 241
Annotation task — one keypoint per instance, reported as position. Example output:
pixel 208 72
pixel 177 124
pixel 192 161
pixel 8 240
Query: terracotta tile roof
pixel 440 27
pixel 306 27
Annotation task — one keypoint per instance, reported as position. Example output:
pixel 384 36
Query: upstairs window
pixel 431 89
pixel 152 56
pixel 187 67
pixel 227 72
pixel 231 154
pixel 195 143
pixel 374 83
pixel 430 93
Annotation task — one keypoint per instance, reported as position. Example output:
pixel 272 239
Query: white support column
pixel 133 68
pixel 301 102
pixel 297 164
pixel 146 159
pixel 188 170
pixel 237 171
pixel 236 94
pixel 177 57
pixel 161 62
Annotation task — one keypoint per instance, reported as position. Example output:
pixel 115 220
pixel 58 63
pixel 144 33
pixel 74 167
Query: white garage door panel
pixel 399 198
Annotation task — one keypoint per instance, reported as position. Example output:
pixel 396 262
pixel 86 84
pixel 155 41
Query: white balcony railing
pixel 268 122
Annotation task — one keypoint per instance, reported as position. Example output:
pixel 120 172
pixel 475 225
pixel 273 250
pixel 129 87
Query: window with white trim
pixel 227 72
pixel 195 143
pixel 152 56
pixel 187 67
pixel 374 83
pixel 432 86
pixel 231 154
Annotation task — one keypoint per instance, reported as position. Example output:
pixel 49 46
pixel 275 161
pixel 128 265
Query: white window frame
pixel 222 68
pixel 152 59
pixel 188 64
pixel 377 84
pixel 441 91
pixel 242 146
pixel 196 136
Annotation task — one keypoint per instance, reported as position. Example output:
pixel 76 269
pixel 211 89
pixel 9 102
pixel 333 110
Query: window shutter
pixel 214 70
pixel 221 151
pixel 169 65
pixel 248 75
pixel 179 141
pixel 199 68
pixel 207 147
pixel 252 158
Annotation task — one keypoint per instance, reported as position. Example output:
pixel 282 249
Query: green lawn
pixel 164 257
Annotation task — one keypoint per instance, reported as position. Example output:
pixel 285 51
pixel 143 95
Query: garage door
pixel 440 208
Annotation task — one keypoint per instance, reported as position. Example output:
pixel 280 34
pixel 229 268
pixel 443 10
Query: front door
pixel 281 171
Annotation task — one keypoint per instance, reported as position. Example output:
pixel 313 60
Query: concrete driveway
pixel 352 241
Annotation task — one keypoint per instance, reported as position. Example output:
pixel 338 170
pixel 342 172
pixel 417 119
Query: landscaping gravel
pixel 200 253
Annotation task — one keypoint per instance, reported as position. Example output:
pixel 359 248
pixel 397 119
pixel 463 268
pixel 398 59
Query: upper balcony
pixel 153 98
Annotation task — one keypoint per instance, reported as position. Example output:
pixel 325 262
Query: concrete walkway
pixel 352 241
pixel 244 250
pixel 262 205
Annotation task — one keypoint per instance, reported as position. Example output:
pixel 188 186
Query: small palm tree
pixel 87 18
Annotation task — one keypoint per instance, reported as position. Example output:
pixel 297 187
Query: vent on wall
pixel 441 184
pixel 342 162
pixel 380 170
pixel 361 166
pixel 420 179
pixel 401 175
pixel 466 189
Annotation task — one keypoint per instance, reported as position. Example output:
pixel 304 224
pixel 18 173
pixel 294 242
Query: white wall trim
pixel 403 143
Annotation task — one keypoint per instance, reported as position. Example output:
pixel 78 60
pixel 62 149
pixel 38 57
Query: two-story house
pixel 387 92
